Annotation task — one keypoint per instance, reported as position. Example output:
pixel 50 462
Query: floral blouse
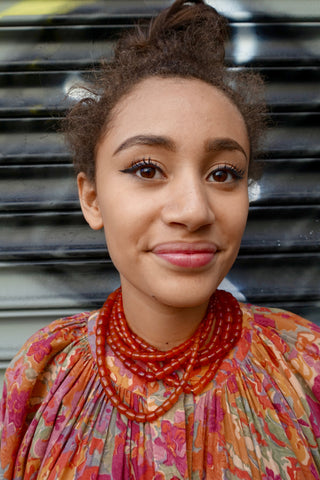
pixel 259 418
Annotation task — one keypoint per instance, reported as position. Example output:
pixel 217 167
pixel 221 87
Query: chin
pixel 185 297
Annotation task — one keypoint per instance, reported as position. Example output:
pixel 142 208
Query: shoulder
pixel 288 326
pixel 287 340
pixel 43 364
pixel 34 369
pixel 47 342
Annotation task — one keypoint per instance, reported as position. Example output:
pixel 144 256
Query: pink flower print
pixel 215 415
pixel 40 350
pixel 264 321
pixel 316 387
pixel 232 384
pixel 172 446
pixel 18 402
pixel 270 475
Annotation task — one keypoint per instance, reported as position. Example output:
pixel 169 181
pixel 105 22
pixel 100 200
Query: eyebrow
pixel 212 146
pixel 151 140
pixel 221 144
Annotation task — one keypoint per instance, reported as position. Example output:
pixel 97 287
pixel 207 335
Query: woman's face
pixel 171 190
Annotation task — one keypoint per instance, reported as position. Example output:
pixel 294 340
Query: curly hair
pixel 186 40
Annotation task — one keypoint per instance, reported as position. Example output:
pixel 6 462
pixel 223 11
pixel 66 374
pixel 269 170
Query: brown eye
pixel 146 172
pixel 225 174
pixel 220 176
pixel 145 169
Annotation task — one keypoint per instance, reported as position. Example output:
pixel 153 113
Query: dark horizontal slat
pixel 293 135
pixel 38 187
pixel 286 182
pixel 26 141
pixel 277 277
pixel 29 94
pixel 66 235
pixel 292 88
pixel 43 93
pixel 282 229
pixel 77 46
pixel 75 284
pixel 91 12
pixel 31 141
pixel 270 10
pixel 56 285
pixel 275 45
pixel 82 46
pixel 45 235
pixel 53 187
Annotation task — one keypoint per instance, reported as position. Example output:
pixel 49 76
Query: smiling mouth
pixel 186 255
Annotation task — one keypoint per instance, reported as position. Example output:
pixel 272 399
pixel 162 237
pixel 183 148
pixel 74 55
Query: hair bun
pixel 190 25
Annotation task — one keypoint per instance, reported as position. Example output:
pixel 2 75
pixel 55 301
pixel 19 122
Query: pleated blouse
pixel 259 418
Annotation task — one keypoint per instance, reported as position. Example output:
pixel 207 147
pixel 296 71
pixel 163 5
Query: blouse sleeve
pixel 298 340
pixel 28 379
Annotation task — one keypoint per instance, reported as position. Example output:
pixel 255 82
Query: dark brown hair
pixel 186 40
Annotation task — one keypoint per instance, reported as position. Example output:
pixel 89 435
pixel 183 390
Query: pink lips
pixel 187 255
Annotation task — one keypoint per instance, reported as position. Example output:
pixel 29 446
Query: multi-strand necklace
pixel 214 338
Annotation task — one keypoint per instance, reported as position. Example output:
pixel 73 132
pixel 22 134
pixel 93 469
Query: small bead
pixel 104 382
pixel 109 390
pixel 130 414
pixel 122 408
pixel 160 411
pixel 167 404
pixel 151 417
pixel 141 417
pixel 114 399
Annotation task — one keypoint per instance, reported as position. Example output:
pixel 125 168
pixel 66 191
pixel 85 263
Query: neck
pixel 162 326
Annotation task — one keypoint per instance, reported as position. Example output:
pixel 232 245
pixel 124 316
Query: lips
pixel 186 255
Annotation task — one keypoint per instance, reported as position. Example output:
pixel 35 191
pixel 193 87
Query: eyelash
pixel 237 173
pixel 136 165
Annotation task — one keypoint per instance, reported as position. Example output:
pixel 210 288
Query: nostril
pixel 190 209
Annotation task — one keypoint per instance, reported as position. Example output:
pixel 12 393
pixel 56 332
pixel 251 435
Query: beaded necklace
pixel 223 319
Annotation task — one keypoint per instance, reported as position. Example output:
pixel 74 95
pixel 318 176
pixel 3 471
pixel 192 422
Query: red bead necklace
pixel 215 337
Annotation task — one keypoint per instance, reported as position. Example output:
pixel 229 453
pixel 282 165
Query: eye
pixel 225 174
pixel 147 172
pixel 146 169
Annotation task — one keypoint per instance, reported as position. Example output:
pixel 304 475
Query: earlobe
pixel 89 201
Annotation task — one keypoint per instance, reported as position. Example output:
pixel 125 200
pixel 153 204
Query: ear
pixel 89 202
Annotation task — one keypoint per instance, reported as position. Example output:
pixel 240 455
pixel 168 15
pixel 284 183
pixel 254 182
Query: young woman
pixel 171 378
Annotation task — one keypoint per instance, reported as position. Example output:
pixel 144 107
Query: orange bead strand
pixel 216 335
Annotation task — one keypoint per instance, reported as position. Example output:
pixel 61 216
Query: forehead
pixel 179 107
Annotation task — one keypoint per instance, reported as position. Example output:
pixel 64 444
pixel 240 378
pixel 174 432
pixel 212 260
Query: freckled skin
pixel 149 193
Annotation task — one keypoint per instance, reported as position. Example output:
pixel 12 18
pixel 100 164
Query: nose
pixel 187 204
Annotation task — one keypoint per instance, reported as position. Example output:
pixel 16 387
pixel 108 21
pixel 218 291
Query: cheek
pixel 123 223
pixel 234 216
